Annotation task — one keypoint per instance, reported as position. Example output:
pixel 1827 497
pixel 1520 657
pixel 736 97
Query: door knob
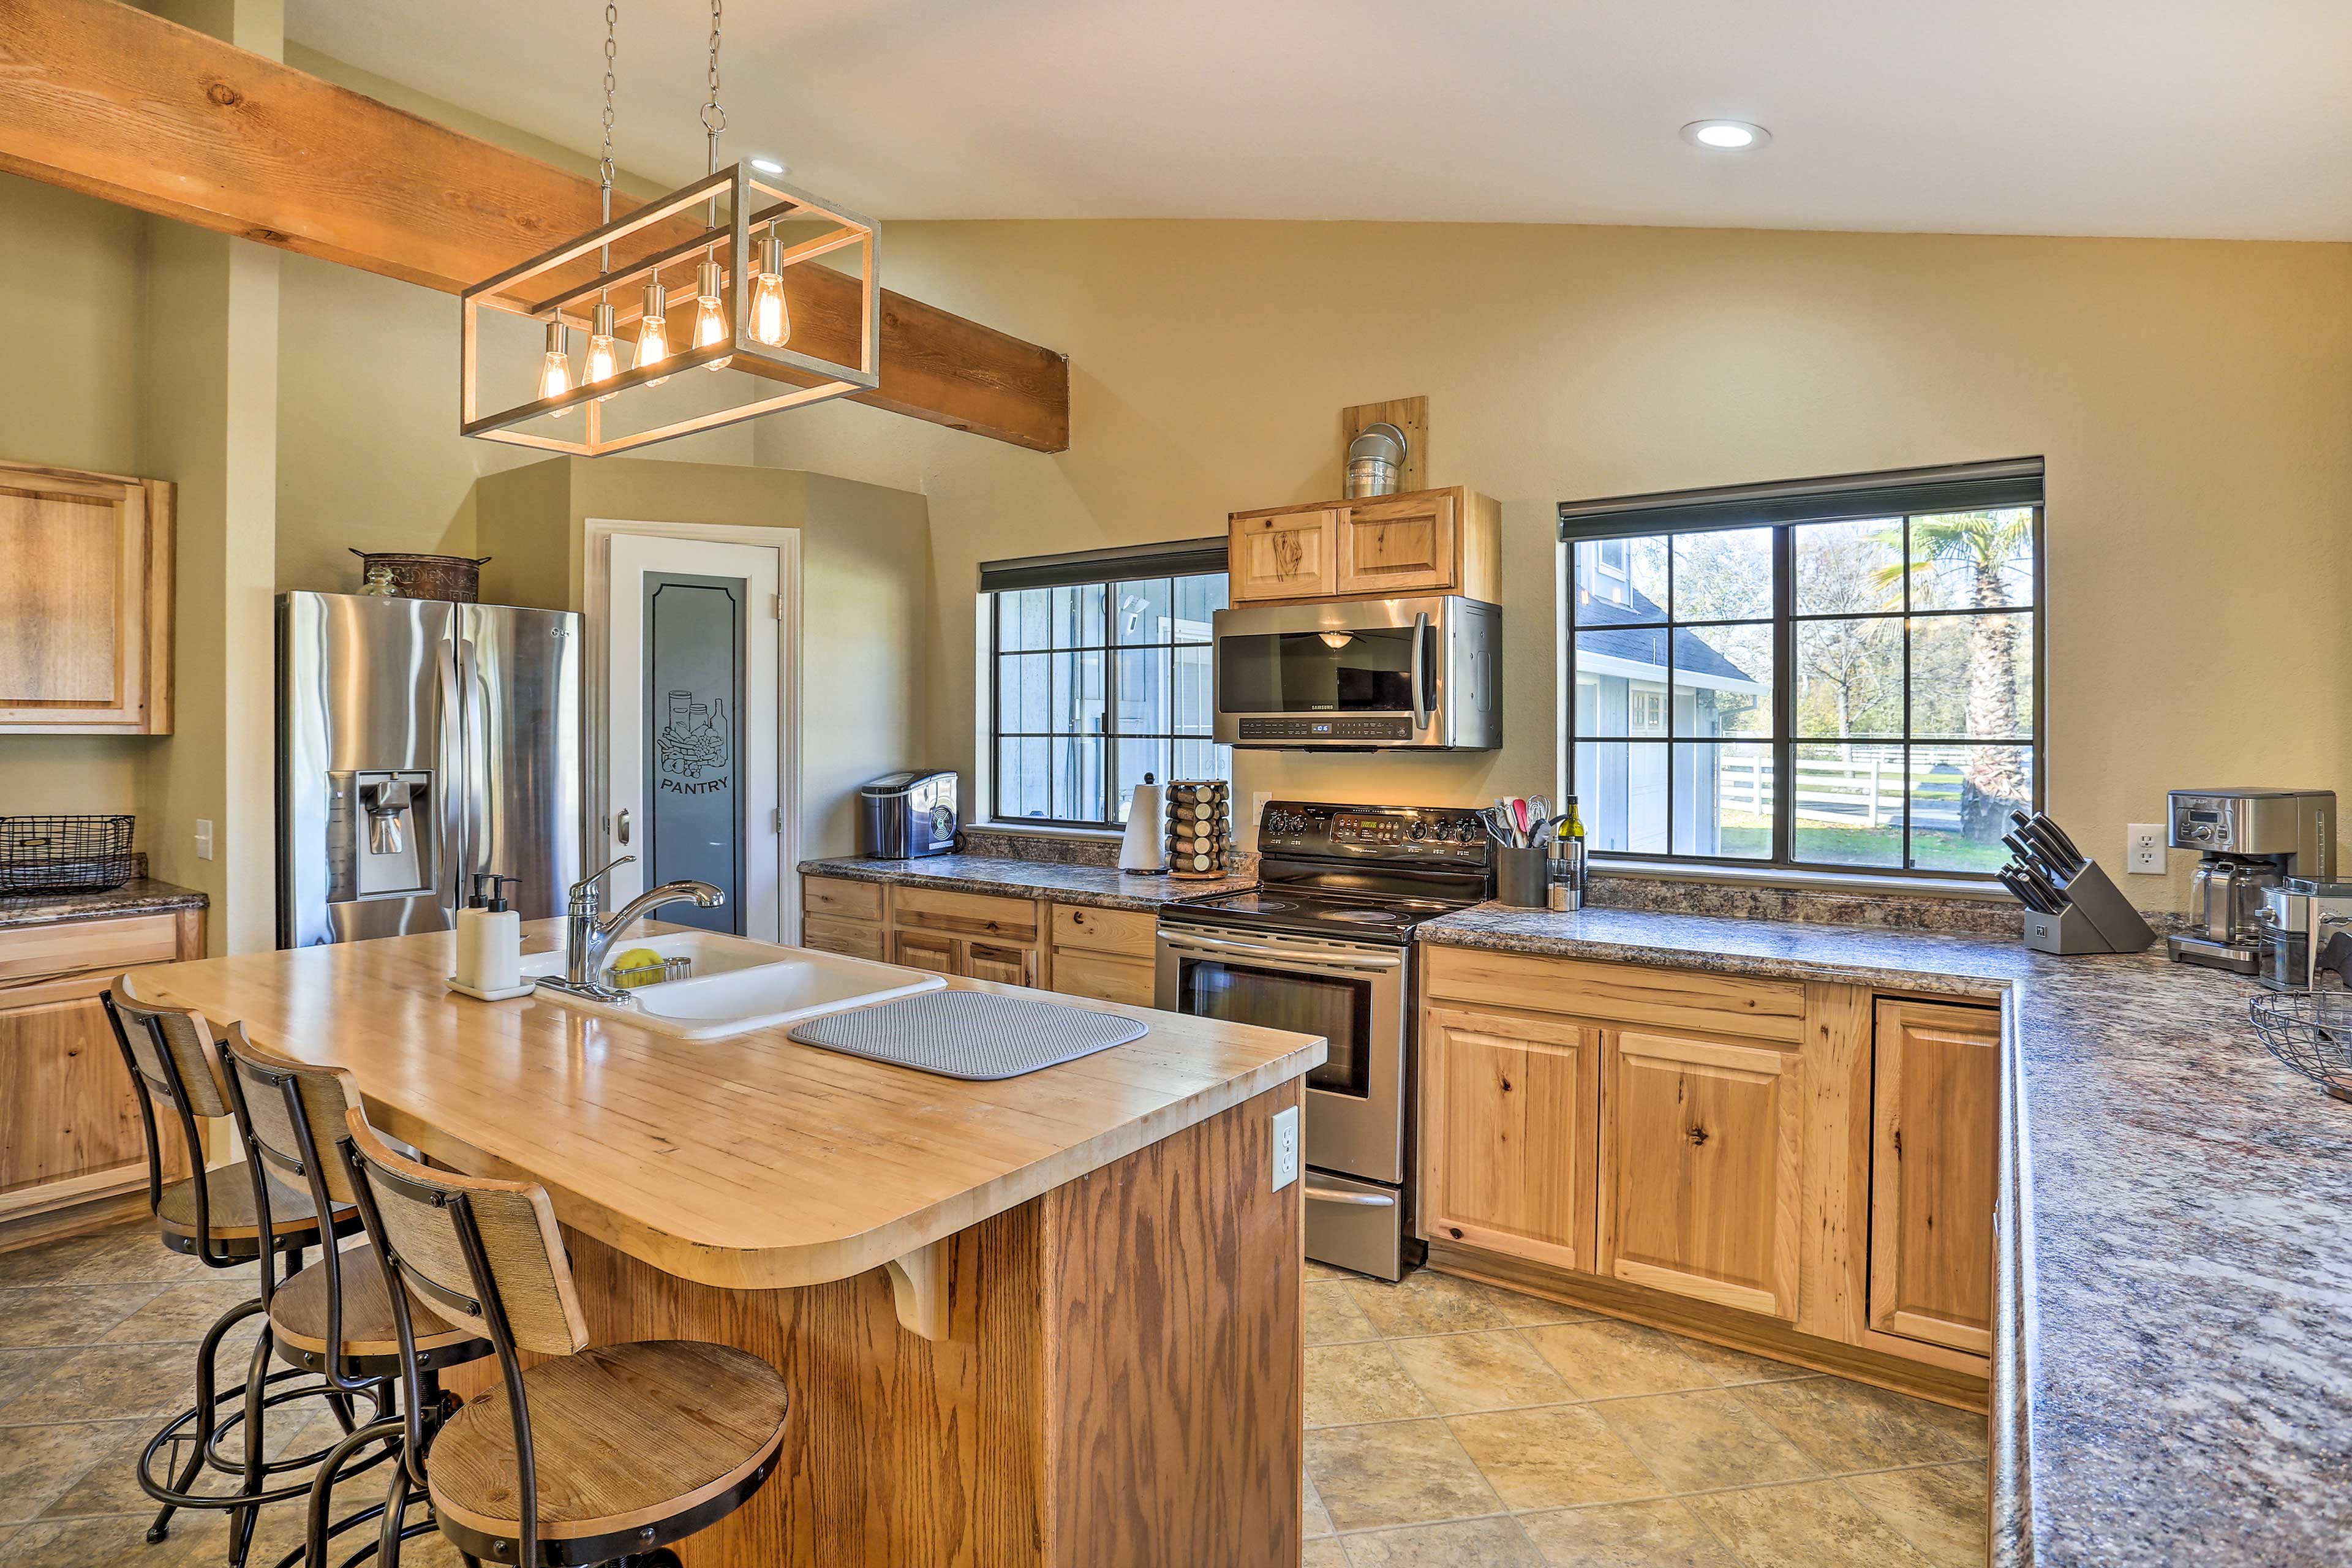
pixel 621 828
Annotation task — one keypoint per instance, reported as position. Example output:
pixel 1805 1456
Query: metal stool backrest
pixel 487 1254
pixel 292 1115
pixel 168 1052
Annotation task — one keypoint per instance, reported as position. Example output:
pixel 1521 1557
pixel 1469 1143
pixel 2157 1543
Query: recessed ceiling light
pixel 768 166
pixel 1725 135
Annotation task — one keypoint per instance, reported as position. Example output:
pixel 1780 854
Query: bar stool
pixel 593 1456
pixel 334 1318
pixel 215 1216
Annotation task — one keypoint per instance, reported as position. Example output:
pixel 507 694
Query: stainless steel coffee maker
pixel 2253 840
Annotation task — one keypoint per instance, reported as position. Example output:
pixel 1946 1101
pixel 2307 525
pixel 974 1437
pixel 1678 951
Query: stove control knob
pixel 1419 831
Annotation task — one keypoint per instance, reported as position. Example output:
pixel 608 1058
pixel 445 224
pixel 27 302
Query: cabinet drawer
pixel 1104 977
pixel 854 938
pixel 967 914
pixel 1683 998
pixel 842 899
pixel 1125 932
pixel 102 949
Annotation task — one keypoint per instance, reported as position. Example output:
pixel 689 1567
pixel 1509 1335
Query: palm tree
pixel 1981 545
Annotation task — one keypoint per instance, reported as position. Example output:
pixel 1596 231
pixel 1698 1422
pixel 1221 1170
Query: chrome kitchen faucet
pixel 587 938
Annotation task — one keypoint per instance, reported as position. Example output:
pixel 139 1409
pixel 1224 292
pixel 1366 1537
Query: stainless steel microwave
pixel 1362 675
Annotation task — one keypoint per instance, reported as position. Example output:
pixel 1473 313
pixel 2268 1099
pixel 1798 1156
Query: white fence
pixel 1865 787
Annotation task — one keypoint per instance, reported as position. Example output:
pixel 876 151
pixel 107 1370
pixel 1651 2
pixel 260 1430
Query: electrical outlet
pixel 1257 810
pixel 2147 839
pixel 203 839
pixel 1286 1148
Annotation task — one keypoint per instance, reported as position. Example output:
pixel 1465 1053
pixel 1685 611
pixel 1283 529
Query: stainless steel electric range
pixel 1324 946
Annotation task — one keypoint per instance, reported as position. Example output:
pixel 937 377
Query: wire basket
pixel 2311 1031
pixel 64 854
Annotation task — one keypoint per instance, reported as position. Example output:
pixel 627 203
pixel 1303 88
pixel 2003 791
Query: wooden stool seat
pixel 228 1195
pixel 298 1312
pixel 624 1437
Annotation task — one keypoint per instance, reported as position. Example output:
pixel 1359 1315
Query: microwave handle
pixel 1420 691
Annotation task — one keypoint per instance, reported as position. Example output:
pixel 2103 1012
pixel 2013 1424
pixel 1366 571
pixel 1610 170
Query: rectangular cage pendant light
pixel 564 289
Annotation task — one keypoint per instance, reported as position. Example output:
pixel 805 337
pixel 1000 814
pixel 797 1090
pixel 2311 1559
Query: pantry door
pixel 695 745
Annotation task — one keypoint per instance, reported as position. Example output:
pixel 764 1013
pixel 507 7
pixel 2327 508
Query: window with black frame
pixel 1099 672
pixel 1840 674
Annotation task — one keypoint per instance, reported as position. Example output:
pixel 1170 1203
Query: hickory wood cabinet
pixel 85 603
pixel 70 1131
pixel 1429 541
pixel 1799 1168
pixel 1081 950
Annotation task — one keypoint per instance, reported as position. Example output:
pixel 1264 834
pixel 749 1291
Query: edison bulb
pixel 772 320
pixel 710 312
pixel 555 370
pixel 604 360
pixel 653 335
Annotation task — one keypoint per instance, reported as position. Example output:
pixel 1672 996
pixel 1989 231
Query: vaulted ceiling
pixel 2201 118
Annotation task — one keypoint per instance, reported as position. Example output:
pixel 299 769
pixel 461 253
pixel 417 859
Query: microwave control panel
pixel 1366 726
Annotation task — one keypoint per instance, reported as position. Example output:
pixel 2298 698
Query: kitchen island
pixel 1053 1320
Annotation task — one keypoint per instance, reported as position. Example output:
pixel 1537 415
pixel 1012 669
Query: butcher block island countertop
pixel 1038 1320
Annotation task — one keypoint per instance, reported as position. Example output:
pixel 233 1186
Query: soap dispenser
pixel 490 943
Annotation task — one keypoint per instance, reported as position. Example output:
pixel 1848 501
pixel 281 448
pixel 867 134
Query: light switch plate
pixel 1286 1148
pixel 203 839
pixel 2147 848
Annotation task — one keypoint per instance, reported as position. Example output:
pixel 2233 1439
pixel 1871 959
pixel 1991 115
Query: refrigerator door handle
pixel 449 776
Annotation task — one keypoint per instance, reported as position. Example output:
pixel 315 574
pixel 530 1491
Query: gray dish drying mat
pixel 974 1035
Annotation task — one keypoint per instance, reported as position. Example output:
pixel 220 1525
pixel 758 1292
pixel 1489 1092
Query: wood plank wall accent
pixel 1123 1382
pixel 102 97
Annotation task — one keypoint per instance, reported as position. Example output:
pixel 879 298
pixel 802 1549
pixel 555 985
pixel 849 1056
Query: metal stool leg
pixel 395 1510
pixel 242 1520
pixel 322 1489
pixel 204 1397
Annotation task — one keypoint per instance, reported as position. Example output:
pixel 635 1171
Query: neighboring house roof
pixel 1595 633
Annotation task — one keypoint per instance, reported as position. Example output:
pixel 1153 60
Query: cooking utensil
pixel 1519 815
pixel 2058 835
pixel 2027 894
pixel 2047 846
pixel 2041 884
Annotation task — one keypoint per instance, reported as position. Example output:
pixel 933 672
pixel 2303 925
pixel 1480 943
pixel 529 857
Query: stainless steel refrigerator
pixel 420 743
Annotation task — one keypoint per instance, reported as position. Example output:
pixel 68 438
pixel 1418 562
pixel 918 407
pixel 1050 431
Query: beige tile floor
pixel 1453 1425
pixel 1449 1425
pixel 98 1345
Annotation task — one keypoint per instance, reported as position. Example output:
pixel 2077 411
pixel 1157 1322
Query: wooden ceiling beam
pixel 102 97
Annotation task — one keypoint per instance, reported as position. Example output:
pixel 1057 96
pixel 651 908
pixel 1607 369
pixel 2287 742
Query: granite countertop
pixel 1100 887
pixel 140 896
pixel 2174 1360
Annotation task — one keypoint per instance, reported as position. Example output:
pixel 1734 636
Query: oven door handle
pixel 1420 691
pixel 1358 1200
pixel 1211 947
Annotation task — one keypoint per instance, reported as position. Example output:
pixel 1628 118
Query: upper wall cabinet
pixel 1428 542
pixel 85 603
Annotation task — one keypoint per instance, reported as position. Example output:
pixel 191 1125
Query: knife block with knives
pixel 2071 905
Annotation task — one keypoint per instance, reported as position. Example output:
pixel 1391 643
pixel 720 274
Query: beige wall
pixel 2193 400
pixel 69 398
pixel 866 607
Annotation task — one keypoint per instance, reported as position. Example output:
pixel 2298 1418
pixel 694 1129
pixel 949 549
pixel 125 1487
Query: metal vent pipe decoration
pixel 738 263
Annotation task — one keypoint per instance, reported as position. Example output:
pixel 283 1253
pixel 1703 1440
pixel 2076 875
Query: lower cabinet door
pixel 1000 963
pixel 1699 1164
pixel 1935 1104
pixel 1105 977
pixel 922 950
pixel 67 1105
pixel 1511 1112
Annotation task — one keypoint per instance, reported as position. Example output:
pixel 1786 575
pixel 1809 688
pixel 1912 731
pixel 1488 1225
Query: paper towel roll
pixel 1139 850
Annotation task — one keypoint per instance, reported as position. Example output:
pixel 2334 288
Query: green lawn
pixel 1880 848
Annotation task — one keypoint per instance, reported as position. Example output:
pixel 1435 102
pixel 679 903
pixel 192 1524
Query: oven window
pixel 1339 1010
pixel 1319 672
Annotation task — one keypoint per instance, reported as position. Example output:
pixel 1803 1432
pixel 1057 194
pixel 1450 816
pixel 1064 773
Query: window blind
pixel 1963 487
pixel 1179 558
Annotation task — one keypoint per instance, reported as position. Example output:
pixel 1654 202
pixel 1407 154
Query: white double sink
pixel 737 985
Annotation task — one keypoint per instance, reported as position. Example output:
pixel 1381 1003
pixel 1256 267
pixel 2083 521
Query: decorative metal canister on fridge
pixel 1200 827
